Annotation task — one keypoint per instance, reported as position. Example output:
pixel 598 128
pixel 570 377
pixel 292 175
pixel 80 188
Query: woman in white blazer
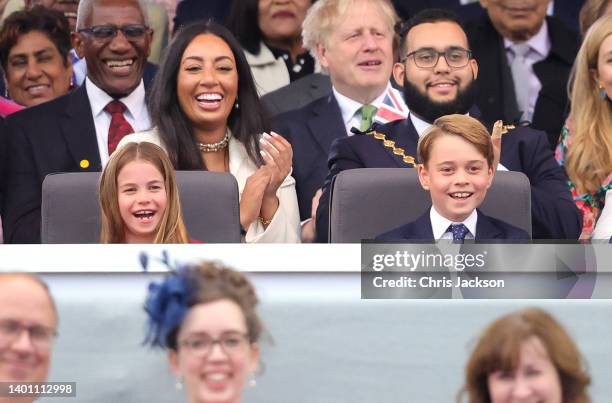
pixel 207 115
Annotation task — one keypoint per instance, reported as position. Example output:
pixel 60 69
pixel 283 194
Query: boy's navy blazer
pixel 554 213
pixel 311 131
pixel 56 136
pixel 486 228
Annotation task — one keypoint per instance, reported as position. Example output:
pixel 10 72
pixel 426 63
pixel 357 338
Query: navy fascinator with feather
pixel 167 304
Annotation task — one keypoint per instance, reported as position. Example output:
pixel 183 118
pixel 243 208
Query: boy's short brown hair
pixel 468 128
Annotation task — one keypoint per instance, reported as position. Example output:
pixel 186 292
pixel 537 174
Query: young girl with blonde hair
pixel 139 198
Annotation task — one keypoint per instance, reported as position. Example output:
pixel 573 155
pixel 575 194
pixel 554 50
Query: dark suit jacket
pixel 52 137
pixel 487 228
pixel 149 73
pixel 554 214
pixel 311 131
pixel 497 99
pixel 297 94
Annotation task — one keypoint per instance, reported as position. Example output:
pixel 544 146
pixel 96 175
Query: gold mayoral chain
pixel 408 159
pixel 507 128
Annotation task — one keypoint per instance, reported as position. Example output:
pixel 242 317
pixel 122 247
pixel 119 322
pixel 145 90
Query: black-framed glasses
pixel 107 32
pixel 41 336
pixel 202 344
pixel 427 58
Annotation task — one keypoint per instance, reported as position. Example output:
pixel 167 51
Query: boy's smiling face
pixel 457 177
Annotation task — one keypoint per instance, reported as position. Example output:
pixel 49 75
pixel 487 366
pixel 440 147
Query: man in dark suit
pixel 435 38
pixel 359 70
pixel 77 132
pixel 527 58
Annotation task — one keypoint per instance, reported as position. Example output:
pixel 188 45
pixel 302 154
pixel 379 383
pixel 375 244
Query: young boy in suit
pixel 456 167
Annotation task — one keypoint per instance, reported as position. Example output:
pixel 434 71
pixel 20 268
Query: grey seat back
pixel 367 202
pixel 71 214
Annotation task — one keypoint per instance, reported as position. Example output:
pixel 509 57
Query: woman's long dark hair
pixel 243 22
pixel 246 123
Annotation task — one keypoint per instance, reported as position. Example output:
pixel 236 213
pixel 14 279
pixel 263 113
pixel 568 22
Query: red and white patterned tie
pixel 119 126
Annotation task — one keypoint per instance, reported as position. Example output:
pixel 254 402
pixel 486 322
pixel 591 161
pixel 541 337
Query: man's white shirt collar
pixel 540 42
pixel 419 124
pixel 99 99
pixel 136 113
pixel 350 108
pixel 439 225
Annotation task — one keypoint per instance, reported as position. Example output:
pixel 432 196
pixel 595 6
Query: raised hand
pixel 496 137
pixel 277 154
pixel 252 196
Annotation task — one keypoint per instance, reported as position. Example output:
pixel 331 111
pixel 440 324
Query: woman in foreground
pixel 526 356
pixel 205 317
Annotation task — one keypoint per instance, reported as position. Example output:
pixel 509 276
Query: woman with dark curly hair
pixel 35 55
pixel 205 316
pixel 526 356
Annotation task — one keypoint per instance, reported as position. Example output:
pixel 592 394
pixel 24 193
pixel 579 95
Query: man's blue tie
pixel 459 232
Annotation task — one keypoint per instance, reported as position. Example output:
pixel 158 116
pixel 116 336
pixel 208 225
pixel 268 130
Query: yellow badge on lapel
pixel 84 164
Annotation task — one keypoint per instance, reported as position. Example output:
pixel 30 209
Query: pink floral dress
pixel 590 204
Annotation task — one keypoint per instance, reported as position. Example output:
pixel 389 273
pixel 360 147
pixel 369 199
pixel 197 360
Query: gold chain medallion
pixel 408 159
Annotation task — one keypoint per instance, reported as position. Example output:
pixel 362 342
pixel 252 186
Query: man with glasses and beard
pixel 79 131
pixel 439 78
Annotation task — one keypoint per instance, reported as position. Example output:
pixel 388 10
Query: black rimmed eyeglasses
pixel 202 344
pixel 427 58
pixel 41 336
pixel 106 32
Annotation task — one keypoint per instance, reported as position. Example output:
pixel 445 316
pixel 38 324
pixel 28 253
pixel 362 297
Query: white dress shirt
pixel 420 125
pixel 439 225
pixel 136 113
pixel 540 48
pixel 351 109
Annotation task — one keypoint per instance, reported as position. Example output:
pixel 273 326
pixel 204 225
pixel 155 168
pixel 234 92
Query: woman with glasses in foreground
pixel 205 316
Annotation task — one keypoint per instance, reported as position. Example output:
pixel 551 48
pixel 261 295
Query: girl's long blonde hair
pixel 589 159
pixel 171 228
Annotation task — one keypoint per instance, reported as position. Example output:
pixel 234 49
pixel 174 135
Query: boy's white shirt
pixel 439 225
